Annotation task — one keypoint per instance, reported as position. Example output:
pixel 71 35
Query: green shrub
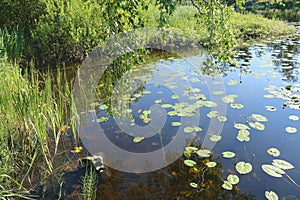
pixel 67 31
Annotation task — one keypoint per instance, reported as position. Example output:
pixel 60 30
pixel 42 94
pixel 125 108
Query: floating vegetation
pixel 190 163
pixel 236 105
pixel 272 170
pixel 227 185
pixel 138 139
pixel 270 108
pixel 294 117
pixel 243 135
pixel 259 118
pixel 243 167
pixel 211 164
pixel 257 125
pixel 212 114
pixel 215 138
pixel 103 107
pixel 241 126
pixel 229 98
pixel 290 129
pixel 222 118
pixel 192 129
pixel 176 123
pixel 228 154
pixel 233 179
pixel 204 153
pixel 232 82
pixel 273 152
pixel 270 195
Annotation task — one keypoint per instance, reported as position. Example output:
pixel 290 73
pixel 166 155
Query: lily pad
pixel 270 195
pixel 166 105
pixel 257 125
pixel 233 179
pixel 272 170
pixel 228 154
pixel 282 164
pixel 176 123
pixel 137 139
pixel 270 108
pixel 193 185
pixel 241 126
pixel 243 135
pixel 215 138
pixel 188 129
pixel 229 98
pixel 232 82
pixel 259 118
pixel 290 129
pixel 227 185
pixel 203 153
pixel 236 105
pixel 211 164
pixel 222 118
pixel 209 104
pixel 190 163
pixel 273 152
pixel 103 107
pixel 294 117
pixel 243 167
pixel 158 101
pixel 212 114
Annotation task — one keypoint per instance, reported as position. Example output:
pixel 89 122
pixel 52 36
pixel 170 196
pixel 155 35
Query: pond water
pixel 188 105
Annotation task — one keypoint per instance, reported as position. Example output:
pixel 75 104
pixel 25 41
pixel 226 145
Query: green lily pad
pixel 222 118
pixel 259 118
pixel 137 139
pixel 233 179
pixel 188 129
pixel 270 195
pixel 232 82
pixel 236 105
pixel 294 117
pixel 243 135
pixel 257 125
pixel 282 164
pixel 176 123
pixel 203 153
pixel 146 92
pixel 229 98
pixel 290 129
pixel 103 107
pixel 174 97
pixel 215 138
pixel 273 152
pixel 212 114
pixel 190 163
pixel 243 167
pixel 158 101
pixel 270 108
pixel 209 104
pixel 241 126
pixel 197 129
pixel 166 105
pixel 268 96
pixel 193 185
pixel 227 185
pixel 228 154
pixel 211 164
pixel 218 92
pixel 272 170
pixel 102 119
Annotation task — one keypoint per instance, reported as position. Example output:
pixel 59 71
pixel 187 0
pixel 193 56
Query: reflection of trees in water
pixel 172 182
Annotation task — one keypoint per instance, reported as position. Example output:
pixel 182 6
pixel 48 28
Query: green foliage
pixel 71 28
pixel 89 181
pixel 21 14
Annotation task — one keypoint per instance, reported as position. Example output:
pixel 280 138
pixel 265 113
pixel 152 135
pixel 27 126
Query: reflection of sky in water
pixel 261 73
